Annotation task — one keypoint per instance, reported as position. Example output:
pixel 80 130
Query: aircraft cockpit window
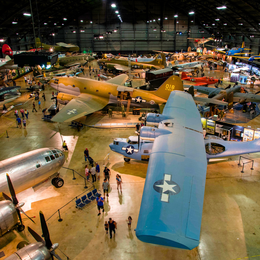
pixel 47 158
pixel 214 148
pixel 168 124
pixel 52 157
pixel 116 143
pixel 54 151
pixel 146 151
pixel 56 155
pixel 38 165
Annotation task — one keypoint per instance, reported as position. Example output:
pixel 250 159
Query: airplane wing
pixel 65 45
pixel 81 105
pixel 206 90
pixel 172 203
pixel 118 80
pixel 121 67
pixel 210 100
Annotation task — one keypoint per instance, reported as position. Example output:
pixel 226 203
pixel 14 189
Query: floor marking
pixel 246 257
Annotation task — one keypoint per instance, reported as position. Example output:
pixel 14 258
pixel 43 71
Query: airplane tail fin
pixel 183 75
pixel 191 90
pixel 6 49
pixel 159 60
pixel 243 45
pixel 38 42
pixel 171 84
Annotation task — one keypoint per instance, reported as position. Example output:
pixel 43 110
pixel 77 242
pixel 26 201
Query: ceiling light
pixel 55 24
pixel 45 23
pixel 221 7
pixel 153 20
pixel 65 19
pixel 150 21
pixel 217 19
pixel 191 21
pixel 63 24
pixel 225 24
pixel 2 40
pixel 175 16
pixel 154 30
pixel 147 21
pixel 14 22
pixel 191 13
pixel 26 14
pixel 166 18
pixel 240 24
pixel 113 5
pixel 177 22
pixel 91 22
pixel 118 15
pixel 74 31
pixel 213 24
pixel 159 19
pixel 117 12
pixel 81 21
pixel 101 36
pixel 82 31
pixel 115 30
pixel 17 33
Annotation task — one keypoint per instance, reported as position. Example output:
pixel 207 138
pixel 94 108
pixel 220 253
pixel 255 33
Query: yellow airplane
pixel 60 47
pixel 122 64
pixel 75 60
pixel 84 96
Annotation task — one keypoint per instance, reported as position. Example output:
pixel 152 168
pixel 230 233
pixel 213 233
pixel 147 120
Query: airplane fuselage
pixel 31 168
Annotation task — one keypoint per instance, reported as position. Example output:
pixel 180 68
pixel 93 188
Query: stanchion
pixel 85 184
pixel 7 136
pixel 60 219
pixel 74 178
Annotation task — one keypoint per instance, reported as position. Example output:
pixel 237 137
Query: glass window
pixel 52 157
pixel 116 143
pixel 56 155
pixel 38 165
pixel 54 151
pixel 47 158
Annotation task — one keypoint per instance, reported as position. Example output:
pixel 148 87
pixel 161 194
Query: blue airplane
pixel 235 51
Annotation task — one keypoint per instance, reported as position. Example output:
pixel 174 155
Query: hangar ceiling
pixel 239 18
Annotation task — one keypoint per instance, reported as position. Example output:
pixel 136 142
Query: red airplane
pixel 199 80
pixel 6 49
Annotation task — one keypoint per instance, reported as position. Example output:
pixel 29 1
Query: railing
pixel 74 178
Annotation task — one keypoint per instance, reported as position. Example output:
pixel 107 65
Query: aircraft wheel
pixel 126 159
pixel 20 228
pixel 58 182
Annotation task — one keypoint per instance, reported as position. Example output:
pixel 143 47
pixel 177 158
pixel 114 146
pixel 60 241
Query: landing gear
pixel 57 182
pixel 126 159
pixel 20 228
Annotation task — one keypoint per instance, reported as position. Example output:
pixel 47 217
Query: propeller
pixel 257 92
pixel 45 231
pixel 15 200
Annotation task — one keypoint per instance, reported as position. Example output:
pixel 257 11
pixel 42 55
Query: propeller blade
pixel 19 215
pixel 257 92
pixel 27 216
pixel 35 235
pixel 56 256
pixel 45 231
pixel 6 196
pixel 11 189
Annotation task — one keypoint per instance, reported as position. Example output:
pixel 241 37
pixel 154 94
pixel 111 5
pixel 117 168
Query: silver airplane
pixel 29 169
pixel 42 250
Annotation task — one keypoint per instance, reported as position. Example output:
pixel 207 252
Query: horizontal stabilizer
pixel 118 80
pixel 210 100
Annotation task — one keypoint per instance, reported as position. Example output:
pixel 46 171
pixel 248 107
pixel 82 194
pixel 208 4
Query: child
pixel 24 123
pixel 129 222
pixel 106 227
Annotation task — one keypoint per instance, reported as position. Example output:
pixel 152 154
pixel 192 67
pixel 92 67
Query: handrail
pixel 74 178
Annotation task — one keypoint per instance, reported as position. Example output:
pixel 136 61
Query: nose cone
pixel 112 147
pixel 62 156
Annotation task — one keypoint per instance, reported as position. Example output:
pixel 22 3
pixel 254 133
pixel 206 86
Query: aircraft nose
pixel 111 146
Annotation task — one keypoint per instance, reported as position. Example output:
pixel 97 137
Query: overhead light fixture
pixel 17 33
pixel 191 21
pixel 217 19
pixel 2 40
pixel 166 18
pixel 117 12
pixel 14 22
pixel 82 31
pixel 101 37
pixel 45 23
pixel 53 34
pixel 91 22
pixel 115 30
pixel 27 14
pixel 159 19
pixel 81 21
pixel 213 24
pixel 113 5
pixel 225 24
pixel 240 24
pixel 55 24
pixel 65 19
pixel 175 16
pixel 74 31
pixel 147 21
pixel 150 21
pixel 63 24
pixel 177 22
pixel 118 15
pixel 153 20
pixel 222 7
pixel 191 13
pixel 154 29
pixel 163 31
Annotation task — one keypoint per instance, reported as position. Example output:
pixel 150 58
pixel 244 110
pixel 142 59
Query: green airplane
pixel 122 64
pixel 70 61
pixel 60 47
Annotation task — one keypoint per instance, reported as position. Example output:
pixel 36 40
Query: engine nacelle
pixel 155 119
pixel 150 133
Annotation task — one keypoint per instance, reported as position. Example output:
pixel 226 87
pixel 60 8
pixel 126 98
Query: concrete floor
pixel 230 223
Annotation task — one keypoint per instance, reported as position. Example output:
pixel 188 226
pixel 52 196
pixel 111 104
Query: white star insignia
pixel 129 149
pixel 167 187
pixel 138 99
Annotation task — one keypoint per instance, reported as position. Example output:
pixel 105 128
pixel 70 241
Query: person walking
pixel 26 113
pixel 87 172
pixel 39 103
pixel 119 182
pixel 22 112
pixel 34 108
pixel 93 174
pixel 107 174
pixel 100 204
pixel 16 113
pixel 64 146
pixel 86 154
pixel 98 171
pixel 112 226
pixel 43 96
pixel 105 188
pixel 24 123
pixel 129 222
pixel 19 122
pixel 106 227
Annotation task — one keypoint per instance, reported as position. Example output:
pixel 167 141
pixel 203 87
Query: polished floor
pixel 230 224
